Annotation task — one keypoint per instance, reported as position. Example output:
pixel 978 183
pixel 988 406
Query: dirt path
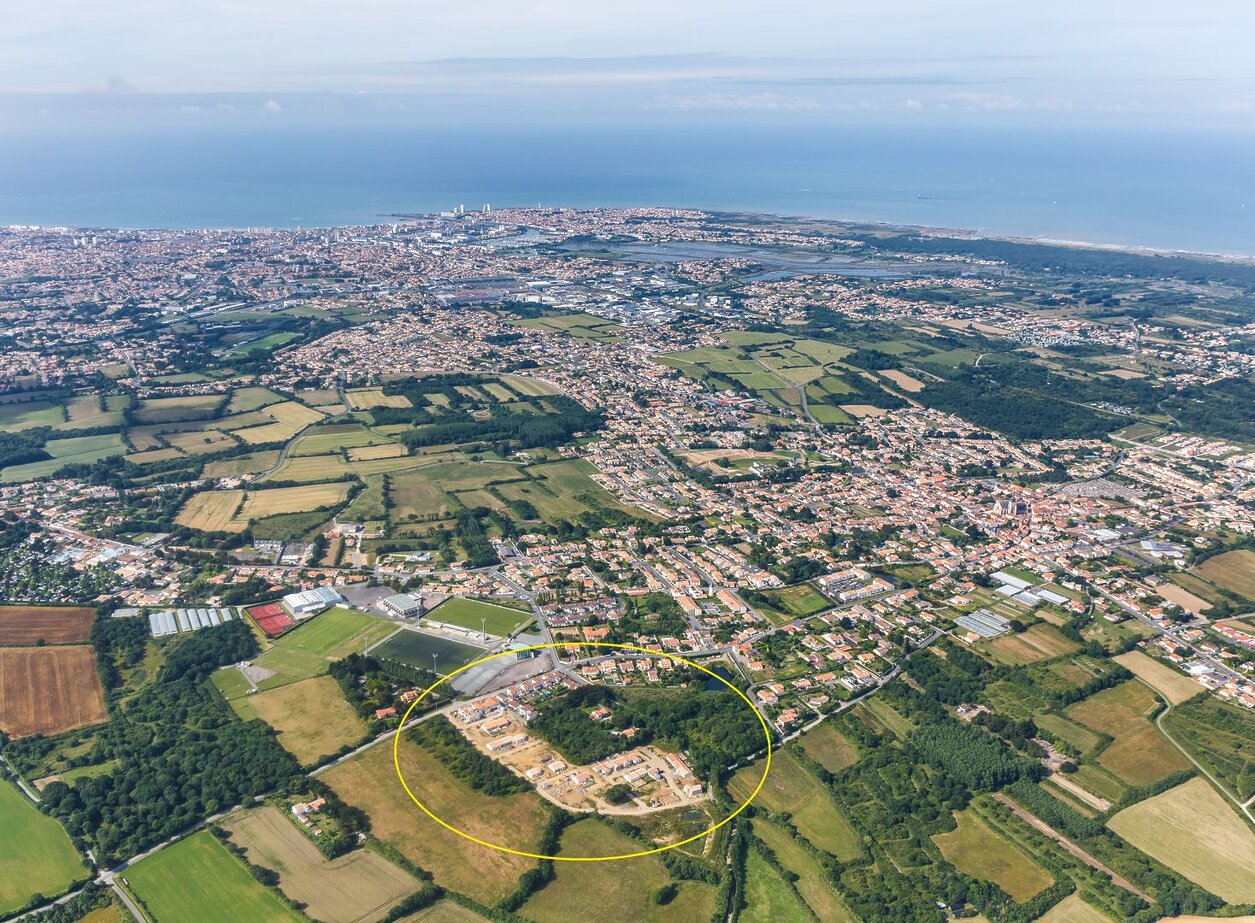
pixel 1098 804
pixel 1042 827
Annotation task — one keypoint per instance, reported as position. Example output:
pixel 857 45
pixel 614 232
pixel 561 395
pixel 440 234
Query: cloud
pixel 745 102
pixel 272 105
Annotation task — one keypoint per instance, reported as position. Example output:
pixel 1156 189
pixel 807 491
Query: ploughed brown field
pixel 50 624
pixel 49 690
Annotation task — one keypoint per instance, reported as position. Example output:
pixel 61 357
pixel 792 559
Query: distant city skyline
pixel 1070 60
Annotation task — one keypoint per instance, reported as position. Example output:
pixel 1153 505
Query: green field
pixel 1139 754
pixel 1221 737
pixel 416 649
pixel 17 416
pixel 76 450
pixel 791 787
pixel 829 748
pixel 36 855
pixel 799 600
pixel 768 897
pixel 470 613
pixel 812 882
pixel 197 880
pixel 583 891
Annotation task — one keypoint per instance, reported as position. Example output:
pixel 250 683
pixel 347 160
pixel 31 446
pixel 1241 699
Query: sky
pixel 1101 60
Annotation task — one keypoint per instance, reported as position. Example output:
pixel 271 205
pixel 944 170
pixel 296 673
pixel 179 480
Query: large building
pixel 308 602
pixel 403 605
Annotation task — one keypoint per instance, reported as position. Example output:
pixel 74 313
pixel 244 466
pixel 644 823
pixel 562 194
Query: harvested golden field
pixel 368 398
pixel 49 624
pixel 358 887
pixel 1173 686
pixel 1192 829
pixel 49 690
pixel 903 381
pixel 1040 642
pixel 1139 754
pixel 370 782
pixel 262 503
pixel 975 849
pixel 1233 570
pixel 212 511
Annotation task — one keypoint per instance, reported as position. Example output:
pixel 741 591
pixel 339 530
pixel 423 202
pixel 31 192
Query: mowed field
pixel 768 898
pixel 975 849
pixel 358 887
pixel 197 880
pixel 1073 909
pixel 1192 829
pixel 791 787
pixel 36 855
pixel 471 613
pixel 607 891
pixel 370 782
pixel 49 624
pixel 1233 570
pixel 212 511
pixel 311 717
pixel 1139 754
pixel 1173 686
pixel 829 748
pixel 49 690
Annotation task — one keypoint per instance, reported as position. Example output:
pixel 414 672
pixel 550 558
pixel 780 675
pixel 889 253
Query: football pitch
pixel 417 647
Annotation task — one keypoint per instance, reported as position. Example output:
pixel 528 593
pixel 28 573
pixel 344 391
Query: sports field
pixel 975 849
pixel 369 782
pixel 1173 686
pixel 198 881
pixel 47 624
pixel 583 891
pixel 307 650
pixel 800 600
pixel 49 690
pixel 1192 829
pixel 471 613
pixel 358 887
pixel 310 717
pixel 416 649
pixel 791 787
pixel 1139 754
pixel 36 855
pixel 826 746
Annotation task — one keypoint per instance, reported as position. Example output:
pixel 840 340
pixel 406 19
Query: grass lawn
pixel 826 746
pixel 311 717
pixel 812 882
pixel 791 787
pixel 470 613
pixel 1192 829
pixel 609 891
pixel 196 880
pixel 801 600
pixel 768 898
pixel 975 849
pixel 369 782
pixel 36 855
pixel 1139 754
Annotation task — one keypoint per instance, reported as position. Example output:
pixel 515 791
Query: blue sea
pixel 1172 190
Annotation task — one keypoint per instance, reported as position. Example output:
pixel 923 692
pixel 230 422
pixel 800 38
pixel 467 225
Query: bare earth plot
pixel 49 624
pixel 1192 829
pixel 358 887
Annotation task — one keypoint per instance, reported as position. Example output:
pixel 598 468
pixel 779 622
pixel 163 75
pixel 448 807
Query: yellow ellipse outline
pixel 396 753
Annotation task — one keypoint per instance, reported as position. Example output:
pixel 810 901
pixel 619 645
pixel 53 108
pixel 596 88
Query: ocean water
pixel 1173 190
